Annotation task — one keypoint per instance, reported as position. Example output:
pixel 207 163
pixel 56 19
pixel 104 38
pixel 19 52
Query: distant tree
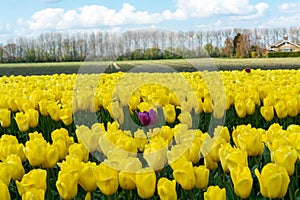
pixel 228 47
pixel 235 43
pixel 243 48
pixel 209 48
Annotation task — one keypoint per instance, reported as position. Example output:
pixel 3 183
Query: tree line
pixel 143 44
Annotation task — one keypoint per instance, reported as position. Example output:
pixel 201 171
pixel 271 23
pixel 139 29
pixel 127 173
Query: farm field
pixel 177 65
pixel 225 129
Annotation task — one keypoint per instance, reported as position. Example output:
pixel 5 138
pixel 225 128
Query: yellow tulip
pixel 202 177
pixel 79 151
pixel 207 105
pixel 34 194
pixel 242 181
pixel 166 189
pixel 51 156
pixel 155 153
pixel 235 158
pixel 250 106
pixel 211 147
pixel 186 118
pixel 215 193
pixel 66 116
pixel 273 181
pixel 87 177
pixel 134 101
pixel 145 182
pixel 292 107
pixel 33 117
pixel 9 145
pixel 62 147
pixel 61 133
pixel 43 103
pixel 22 120
pixel 14 163
pixel 5 117
pixel 35 150
pixel 240 108
pixel 223 132
pixel 185 176
pixel 281 109
pixel 210 163
pixel 248 139
pixel 4 192
pixel 140 139
pixel 12 104
pixel 129 166
pixel 5 173
pixel 53 110
pixel 107 179
pixel 285 156
pixel 66 184
pixel 36 178
pixel 267 112
pixel 88 137
pixel 169 112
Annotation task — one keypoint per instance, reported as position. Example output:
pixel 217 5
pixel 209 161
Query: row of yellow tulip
pixel 124 152
pixel 60 96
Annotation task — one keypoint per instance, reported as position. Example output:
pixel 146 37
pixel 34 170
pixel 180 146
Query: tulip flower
pixel 66 184
pixel 285 156
pixel 281 109
pixel 9 145
pixel 250 106
pixel 4 192
pixel 169 113
pixel 242 181
pixel 22 120
pixel 145 182
pixel 223 132
pixel 87 177
pixel 267 112
pixel 140 139
pixel 248 139
pixel 53 110
pixel 186 118
pixel 5 173
pixel 273 181
pixel 14 163
pixel 35 150
pixel 5 117
pixel 210 163
pixel 215 193
pixel 166 189
pixel 292 107
pixel 51 156
pixel 185 176
pixel 36 178
pixel 202 177
pixel 78 151
pixel 34 193
pixel 127 175
pixel 65 115
pixel 148 118
pixel 107 179
pixel 33 117
pixel 240 108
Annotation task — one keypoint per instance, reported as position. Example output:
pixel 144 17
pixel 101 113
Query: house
pixel 283 46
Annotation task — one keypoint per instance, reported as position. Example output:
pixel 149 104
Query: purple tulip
pixel 148 118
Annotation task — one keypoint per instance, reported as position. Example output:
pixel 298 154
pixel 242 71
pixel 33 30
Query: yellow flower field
pixel 201 135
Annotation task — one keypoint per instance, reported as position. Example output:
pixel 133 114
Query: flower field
pixel 188 135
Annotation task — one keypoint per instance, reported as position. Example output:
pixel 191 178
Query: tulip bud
pixel 5 117
pixel 4 192
pixel 33 117
pixel 66 184
pixel 166 189
pixel 36 178
pixel 169 112
pixel 145 182
pixel 87 177
pixel 107 179
pixel 267 112
pixel 185 176
pixel 242 181
pixel 22 120
pixel 215 193
pixel 273 181
pixel 14 163
pixel 202 177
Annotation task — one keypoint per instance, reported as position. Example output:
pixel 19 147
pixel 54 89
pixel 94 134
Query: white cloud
pixel 260 11
pixel 207 8
pixel 90 17
pixel 215 25
pixel 284 21
pixel 289 7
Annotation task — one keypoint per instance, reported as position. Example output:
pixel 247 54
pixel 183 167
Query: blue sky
pixel 31 17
